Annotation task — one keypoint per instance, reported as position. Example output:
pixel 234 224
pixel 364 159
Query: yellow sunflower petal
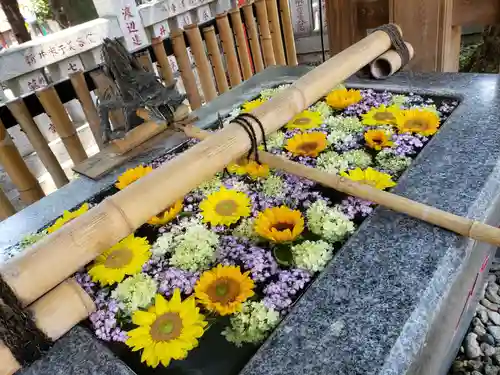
pixel 307 144
pixel 225 207
pixel 418 120
pixel 132 175
pixel 305 120
pixel 343 98
pixel 67 217
pixel 279 224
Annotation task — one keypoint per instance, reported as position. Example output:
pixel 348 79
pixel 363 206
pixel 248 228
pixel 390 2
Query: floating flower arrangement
pixel 242 247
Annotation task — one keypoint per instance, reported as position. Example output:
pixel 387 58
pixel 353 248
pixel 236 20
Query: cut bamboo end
pixel 55 314
pixel 6 208
pixel 55 110
pixel 265 33
pixel 241 43
pixel 388 63
pixel 188 78
pixel 228 48
pixel 286 21
pixel 275 30
pixel 162 61
pixel 253 36
pixel 214 56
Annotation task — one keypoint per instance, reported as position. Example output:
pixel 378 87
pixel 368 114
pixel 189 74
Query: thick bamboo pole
pixel 162 61
pixel 201 61
pixel 88 106
pixel 119 215
pixel 265 33
pixel 388 63
pixel 22 115
pixel 275 30
pixel 226 38
pixel 55 314
pixel 241 43
pixel 253 36
pixel 215 59
pixel 187 75
pixel 286 21
pixel 13 163
pixel 6 208
pixel 55 110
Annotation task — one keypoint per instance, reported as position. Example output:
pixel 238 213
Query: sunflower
pixel 279 224
pixel 307 144
pixel 305 120
pixel 249 167
pixel 224 289
pixel 225 207
pixel 167 215
pixel 132 175
pixel 370 177
pixel 168 330
pixel 251 105
pixel 125 258
pixel 420 121
pixel 381 115
pixel 378 139
pixel 67 217
pixel 343 98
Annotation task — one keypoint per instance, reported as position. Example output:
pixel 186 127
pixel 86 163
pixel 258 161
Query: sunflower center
pixel 226 207
pixel 166 327
pixel 281 227
pixel 416 124
pixel 308 146
pixel 378 139
pixel 223 290
pixel 302 121
pixel 118 258
pixel 384 116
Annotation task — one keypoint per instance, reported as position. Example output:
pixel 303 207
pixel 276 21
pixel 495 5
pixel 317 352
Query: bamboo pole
pixel 88 106
pixel 162 61
pixel 122 213
pixel 55 314
pixel 201 61
pixel 265 33
pixel 275 30
pixel 22 115
pixel 145 60
pixel 187 75
pixel 6 208
pixel 106 86
pixel 55 110
pixel 286 21
pixel 388 63
pixel 26 184
pixel 253 36
pixel 215 59
pixel 228 48
pixel 241 43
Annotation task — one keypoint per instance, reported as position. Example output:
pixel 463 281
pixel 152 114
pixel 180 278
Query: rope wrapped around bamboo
pixel 226 38
pixel 286 21
pixel 55 110
pixel 275 30
pixel 122 213
pixel 253 36
pixel 55 314
pixel 6 208
pixel 265 33
pixel 26 184
pixel 162 61
pixel 187 75
pixel 241 43
pixel 215 59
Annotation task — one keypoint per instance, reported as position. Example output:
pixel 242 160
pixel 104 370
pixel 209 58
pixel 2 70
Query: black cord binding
pixel 397 41
pixel 242 120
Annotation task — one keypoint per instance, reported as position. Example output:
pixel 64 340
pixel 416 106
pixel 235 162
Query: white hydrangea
pixel 321 107
pixel 329 223
pixel 345 124
pixel 399 100
pixel 210 186
pixel 272 186
pixel 245 229
pixel 163 245
pixel 267 94
pixel 331 162
pixel 357 159
pixel 312 255
pixel 135 292
pixel 276 140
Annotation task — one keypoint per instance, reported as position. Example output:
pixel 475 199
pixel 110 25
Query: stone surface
pixel 487 349
pixel 472 349
pixel 495 332
pixel 494 317
pixel 489 305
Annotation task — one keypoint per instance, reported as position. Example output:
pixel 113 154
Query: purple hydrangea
pixel 175 278
pixel 407 144
pixel 280 294
pixel 350 142
pixel 104 319
pixel 85 281
pixel 352 206
pixel 370 100
pixel 235 251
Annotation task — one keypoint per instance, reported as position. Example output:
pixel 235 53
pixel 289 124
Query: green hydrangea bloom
pixel 245 229
pixel 312 255
pixel 209 186
pixel 331 162
pixel 329 223
pixel 135 292
pixel 31 238
pixel 322 108
pixel 399 100
pixel 272 186
pixel 267 94
pixel 345 124
pixel 394 164
pixel 252 324
pixel 275 140
pixel 357 158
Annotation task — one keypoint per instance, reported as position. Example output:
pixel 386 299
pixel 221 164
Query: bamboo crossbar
pixel 56 257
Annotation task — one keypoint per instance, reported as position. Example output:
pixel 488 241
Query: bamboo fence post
pixel 286 21
pixel 88 106
pixel 55 314
pixel 6 208
pixel 228 48
pixel 162 61
pixel 105 86
pixel 26 184
pixel 201 61
pixel 265 33
pixel 253 36
pixel 215 59
pixel 241 43
pixel 187 75
pixel 120 214
pixel 145 60
pixel 275 30
pixel 22 115
pixel 55 110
